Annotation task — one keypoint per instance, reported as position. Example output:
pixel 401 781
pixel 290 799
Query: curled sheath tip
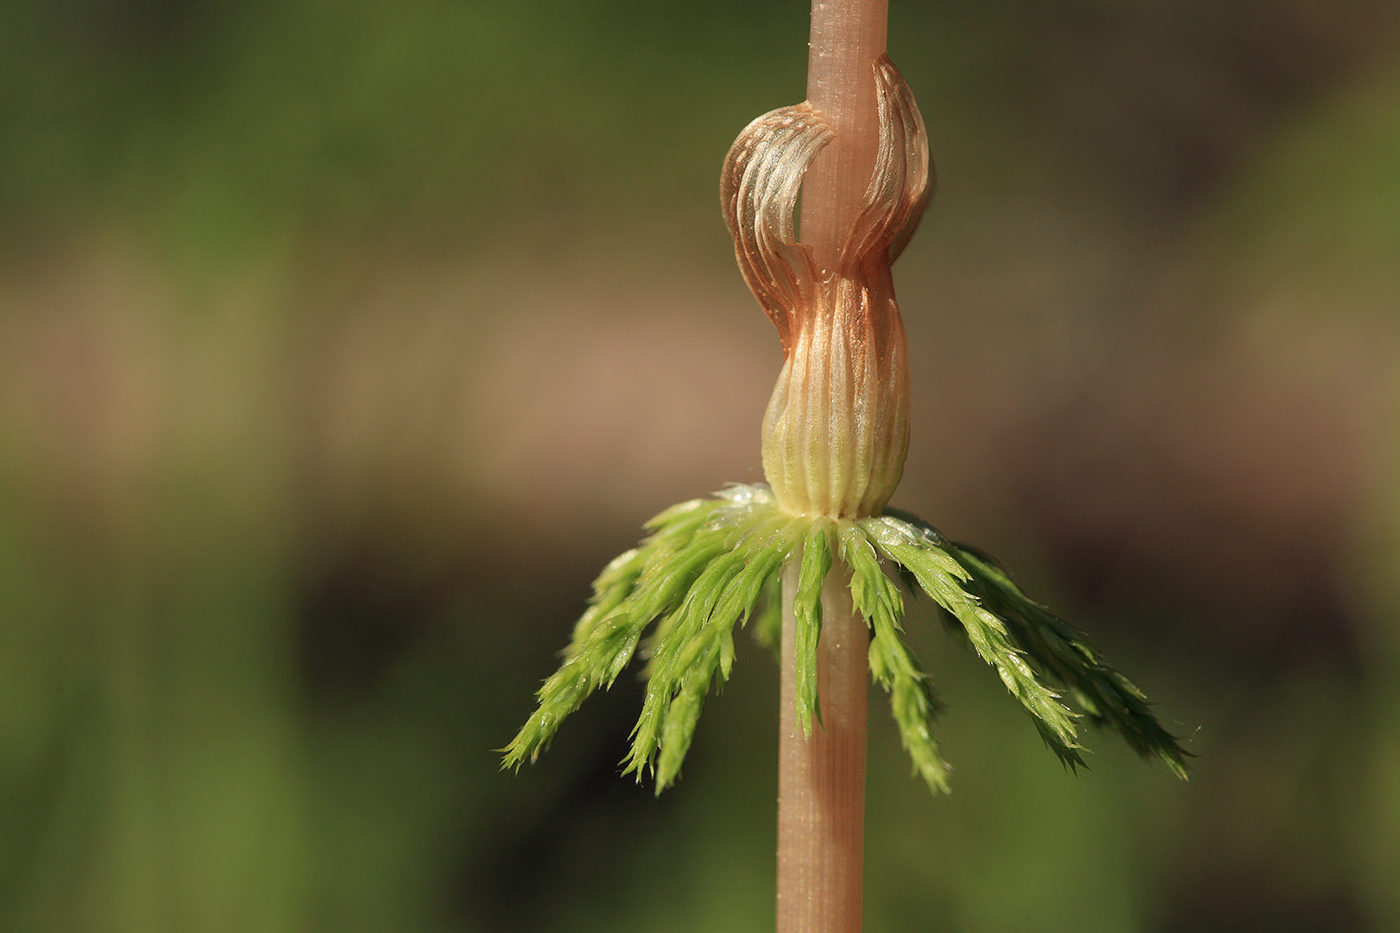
pixel 836 430
pixel 758 191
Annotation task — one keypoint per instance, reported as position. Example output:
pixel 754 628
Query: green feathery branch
pixel 710 564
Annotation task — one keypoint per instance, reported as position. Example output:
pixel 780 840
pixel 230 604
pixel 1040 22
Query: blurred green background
pixel 341 344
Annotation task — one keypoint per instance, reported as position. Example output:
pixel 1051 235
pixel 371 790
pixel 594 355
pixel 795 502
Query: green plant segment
pixel 712 564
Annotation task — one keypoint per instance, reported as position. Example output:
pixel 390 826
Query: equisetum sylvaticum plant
pixel 814 557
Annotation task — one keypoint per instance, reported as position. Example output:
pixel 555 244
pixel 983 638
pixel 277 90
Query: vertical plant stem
pixel 821 777
pixel 847 37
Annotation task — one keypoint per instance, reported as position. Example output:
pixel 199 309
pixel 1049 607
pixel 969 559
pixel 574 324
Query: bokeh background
pixel 342 343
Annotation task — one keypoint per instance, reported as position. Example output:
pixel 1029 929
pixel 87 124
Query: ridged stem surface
pixel 847 38
pixel 821 777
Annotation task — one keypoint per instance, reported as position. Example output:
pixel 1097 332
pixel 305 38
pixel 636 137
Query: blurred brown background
pixel 342 343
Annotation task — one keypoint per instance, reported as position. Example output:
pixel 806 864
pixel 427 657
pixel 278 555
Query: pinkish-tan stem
pixel 847 37
pixel 821 777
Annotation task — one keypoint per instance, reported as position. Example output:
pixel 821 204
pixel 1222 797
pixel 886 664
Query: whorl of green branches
pixel 711 564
